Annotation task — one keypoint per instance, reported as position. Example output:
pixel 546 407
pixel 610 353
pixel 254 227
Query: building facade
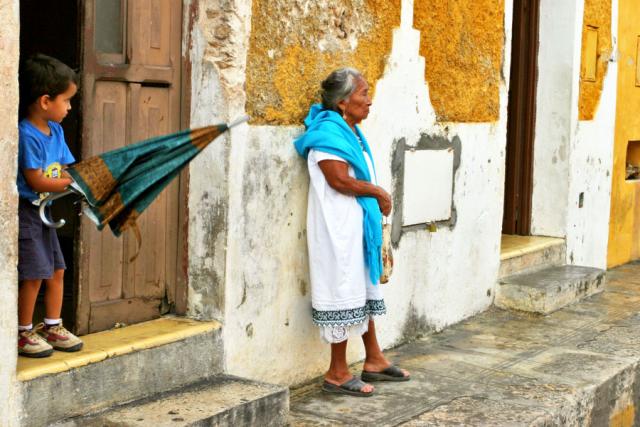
pixel 488 118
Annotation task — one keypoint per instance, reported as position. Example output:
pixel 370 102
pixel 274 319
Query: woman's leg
pixel 338 372
pixel 27 295
pixel 53 294
pixel 374 360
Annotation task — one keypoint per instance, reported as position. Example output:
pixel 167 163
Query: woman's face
pixel 356 107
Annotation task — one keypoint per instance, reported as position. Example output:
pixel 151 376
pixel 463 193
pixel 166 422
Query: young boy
pixel 46 88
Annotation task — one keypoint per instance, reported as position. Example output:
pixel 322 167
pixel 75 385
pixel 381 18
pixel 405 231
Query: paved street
pixel 577 365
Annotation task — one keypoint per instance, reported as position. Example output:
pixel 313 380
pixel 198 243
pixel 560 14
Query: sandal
pixel 352 387
pixel 392 373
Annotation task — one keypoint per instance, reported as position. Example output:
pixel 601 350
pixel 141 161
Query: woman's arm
pixel 337 175
pixel 40 183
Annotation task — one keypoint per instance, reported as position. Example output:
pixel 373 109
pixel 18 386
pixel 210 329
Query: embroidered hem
pixel 349 317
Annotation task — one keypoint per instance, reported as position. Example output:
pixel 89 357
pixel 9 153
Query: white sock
pixel 25 327
pixel 51 322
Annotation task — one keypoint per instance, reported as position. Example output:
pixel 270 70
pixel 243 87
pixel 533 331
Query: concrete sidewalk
pixel 578 366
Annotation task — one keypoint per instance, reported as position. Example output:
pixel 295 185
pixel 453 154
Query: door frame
pixel 82 302
pixel 521 118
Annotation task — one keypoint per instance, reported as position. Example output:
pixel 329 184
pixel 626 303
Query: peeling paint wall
pixel 9 46
pixel 262 183
pixel 294 44
pixel 462 43
pixel 597 18
pixel 212 45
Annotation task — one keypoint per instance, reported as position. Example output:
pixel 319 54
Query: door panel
pixel 521 118
pixel 109 129
pixel 130 97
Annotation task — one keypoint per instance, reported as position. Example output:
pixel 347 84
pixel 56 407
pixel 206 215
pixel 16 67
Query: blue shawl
pixel 329 133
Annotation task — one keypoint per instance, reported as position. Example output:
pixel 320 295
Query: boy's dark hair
pixel 43 75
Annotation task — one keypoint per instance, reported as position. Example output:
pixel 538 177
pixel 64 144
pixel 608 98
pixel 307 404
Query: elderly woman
pixel 344 231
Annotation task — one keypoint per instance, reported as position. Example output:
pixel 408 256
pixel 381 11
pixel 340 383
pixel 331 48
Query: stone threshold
pixel 512 246
pixel 116 342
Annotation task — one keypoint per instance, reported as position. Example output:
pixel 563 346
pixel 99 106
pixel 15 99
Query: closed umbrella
pixel 120 184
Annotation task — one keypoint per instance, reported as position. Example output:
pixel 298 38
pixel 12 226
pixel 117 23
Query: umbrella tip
pixel 238 121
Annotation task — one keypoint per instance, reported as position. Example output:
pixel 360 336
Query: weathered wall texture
pixel 624 244
pixel 597 15
pixel 9 46
pixel 296 43
pixel 214 30
pixel 462 43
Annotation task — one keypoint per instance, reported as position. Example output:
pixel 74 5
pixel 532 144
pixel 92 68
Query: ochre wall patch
pixel 295 44
pixel 597 18
pixel 462 43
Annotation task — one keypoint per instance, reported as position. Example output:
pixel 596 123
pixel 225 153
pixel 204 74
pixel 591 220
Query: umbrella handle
pixel 238 121
pixel 43 205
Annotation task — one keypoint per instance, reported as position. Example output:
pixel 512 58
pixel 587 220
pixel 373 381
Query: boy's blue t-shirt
pixel 39 151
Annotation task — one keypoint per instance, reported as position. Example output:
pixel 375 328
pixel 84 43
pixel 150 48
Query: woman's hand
pixel 337 175
pixel 384 201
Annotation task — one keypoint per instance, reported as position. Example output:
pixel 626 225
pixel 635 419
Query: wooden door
pixel 521 118
pixel 131 91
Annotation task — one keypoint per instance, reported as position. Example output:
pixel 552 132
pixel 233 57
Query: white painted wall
pixel 439 278
pixel 571 156
pixel 556 113
pixel 9 46
pixel 590 173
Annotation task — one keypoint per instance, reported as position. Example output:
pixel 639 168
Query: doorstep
pixel 522 253
pixel 116 342
pixel 119 366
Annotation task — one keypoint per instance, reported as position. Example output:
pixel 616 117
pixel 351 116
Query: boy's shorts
pixel 39 253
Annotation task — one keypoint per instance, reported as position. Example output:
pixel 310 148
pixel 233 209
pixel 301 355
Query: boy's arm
pixel 41 184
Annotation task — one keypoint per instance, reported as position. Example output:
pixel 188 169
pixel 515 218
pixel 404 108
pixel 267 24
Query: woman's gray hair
pixel 339 86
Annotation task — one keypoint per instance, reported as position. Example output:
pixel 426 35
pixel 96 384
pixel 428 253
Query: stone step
pixel 539 253
pixel 547 290
pixel 220 401
pixel 119 366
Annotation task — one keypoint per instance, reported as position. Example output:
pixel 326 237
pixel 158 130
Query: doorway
pixel 521 118
pixel 128 55
pixel 53 28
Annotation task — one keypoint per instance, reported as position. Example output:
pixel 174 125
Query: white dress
pixel 342 294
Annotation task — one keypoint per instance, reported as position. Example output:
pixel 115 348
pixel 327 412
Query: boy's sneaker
pixel 30 344
pixel 59 337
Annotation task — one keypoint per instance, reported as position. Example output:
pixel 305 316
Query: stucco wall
pixel 9 46
pixel 591 167
pixel 556 114
pixel 439 278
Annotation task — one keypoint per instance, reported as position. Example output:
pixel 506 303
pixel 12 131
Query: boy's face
pixel 56 109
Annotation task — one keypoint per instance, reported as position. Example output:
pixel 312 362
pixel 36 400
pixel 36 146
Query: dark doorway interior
pixel 521 119
pixel 52 27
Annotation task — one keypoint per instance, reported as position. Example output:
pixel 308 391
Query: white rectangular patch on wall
pixel 428 186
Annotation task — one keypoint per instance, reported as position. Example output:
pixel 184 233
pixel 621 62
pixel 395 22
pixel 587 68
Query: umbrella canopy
pixel 120 184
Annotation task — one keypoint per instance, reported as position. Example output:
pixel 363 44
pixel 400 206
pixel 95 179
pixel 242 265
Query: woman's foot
pixel 378 364
pixel 339 379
